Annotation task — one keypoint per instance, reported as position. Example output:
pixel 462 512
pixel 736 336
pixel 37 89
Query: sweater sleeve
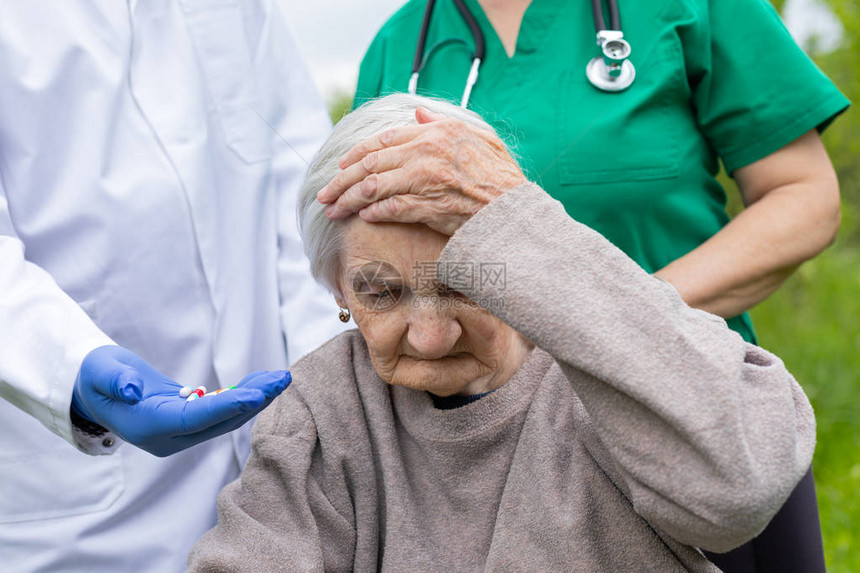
pixel 277 516
pixel 705 434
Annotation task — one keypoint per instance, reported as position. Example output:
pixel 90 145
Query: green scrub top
pixel 714 79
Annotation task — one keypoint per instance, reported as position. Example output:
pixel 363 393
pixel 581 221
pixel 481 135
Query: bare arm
pixel 792 214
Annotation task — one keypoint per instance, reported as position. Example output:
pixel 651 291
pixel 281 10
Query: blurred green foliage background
pixel 813 321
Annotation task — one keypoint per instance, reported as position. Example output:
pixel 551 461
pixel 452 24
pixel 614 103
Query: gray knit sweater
pixel 636 431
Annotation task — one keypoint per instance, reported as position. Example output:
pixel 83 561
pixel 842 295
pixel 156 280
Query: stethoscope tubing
pixel 480 47
pixel 422 36
pixel 477 34
pixel 468 18
pixel 614 15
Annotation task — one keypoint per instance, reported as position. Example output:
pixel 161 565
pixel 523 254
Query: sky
pixel 333 34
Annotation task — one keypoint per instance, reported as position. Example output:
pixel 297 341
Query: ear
pixel 338 298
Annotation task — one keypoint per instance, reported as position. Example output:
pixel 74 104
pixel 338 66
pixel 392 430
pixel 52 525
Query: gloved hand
pixel 117 389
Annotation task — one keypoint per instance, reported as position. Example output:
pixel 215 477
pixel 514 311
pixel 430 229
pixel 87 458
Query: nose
pixel 432 333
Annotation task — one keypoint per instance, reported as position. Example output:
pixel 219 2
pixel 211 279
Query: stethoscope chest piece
pixel 613 71
pixel 600 76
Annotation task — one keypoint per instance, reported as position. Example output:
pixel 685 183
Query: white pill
pixel 185 391
pixel 191 397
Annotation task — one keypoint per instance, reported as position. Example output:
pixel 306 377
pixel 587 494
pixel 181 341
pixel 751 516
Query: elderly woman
pixel 519 394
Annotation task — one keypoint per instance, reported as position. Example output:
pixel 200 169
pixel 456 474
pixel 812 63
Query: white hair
pixel 322 236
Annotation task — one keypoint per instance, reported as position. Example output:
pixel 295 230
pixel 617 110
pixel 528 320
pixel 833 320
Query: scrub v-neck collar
pixel 498 69
pixel 538 17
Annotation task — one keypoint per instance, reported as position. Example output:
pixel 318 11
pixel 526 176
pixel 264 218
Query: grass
pixel 813 324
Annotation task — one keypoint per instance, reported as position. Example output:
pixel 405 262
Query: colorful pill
pixel 197 393
pixel 218 391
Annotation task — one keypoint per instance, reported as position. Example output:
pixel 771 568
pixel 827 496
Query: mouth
pixel 454 356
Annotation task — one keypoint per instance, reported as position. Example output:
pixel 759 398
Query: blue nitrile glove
pixel 117 389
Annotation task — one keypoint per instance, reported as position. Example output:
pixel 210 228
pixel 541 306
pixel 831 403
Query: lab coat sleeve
pixel 297 113
pixel 44 337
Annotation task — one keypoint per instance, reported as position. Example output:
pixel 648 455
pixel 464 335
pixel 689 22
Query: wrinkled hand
pixel 120 391
pixel 440 173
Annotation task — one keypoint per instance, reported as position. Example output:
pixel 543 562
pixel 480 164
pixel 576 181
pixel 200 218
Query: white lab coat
pixel 144 201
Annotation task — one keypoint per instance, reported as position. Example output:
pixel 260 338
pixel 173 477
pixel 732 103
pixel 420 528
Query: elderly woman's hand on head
pixel 429 179
pixel 439 173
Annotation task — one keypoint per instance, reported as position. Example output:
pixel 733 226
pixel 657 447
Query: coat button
pixel 107 442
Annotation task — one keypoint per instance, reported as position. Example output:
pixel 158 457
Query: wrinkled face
pixel 419 334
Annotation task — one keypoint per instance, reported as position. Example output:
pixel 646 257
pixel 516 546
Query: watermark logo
pixel 455 284
pixel 466 277
pixel 440 303
pixel 493 275
pixel 378 286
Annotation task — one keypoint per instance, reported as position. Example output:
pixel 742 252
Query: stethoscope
pixel 612 71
